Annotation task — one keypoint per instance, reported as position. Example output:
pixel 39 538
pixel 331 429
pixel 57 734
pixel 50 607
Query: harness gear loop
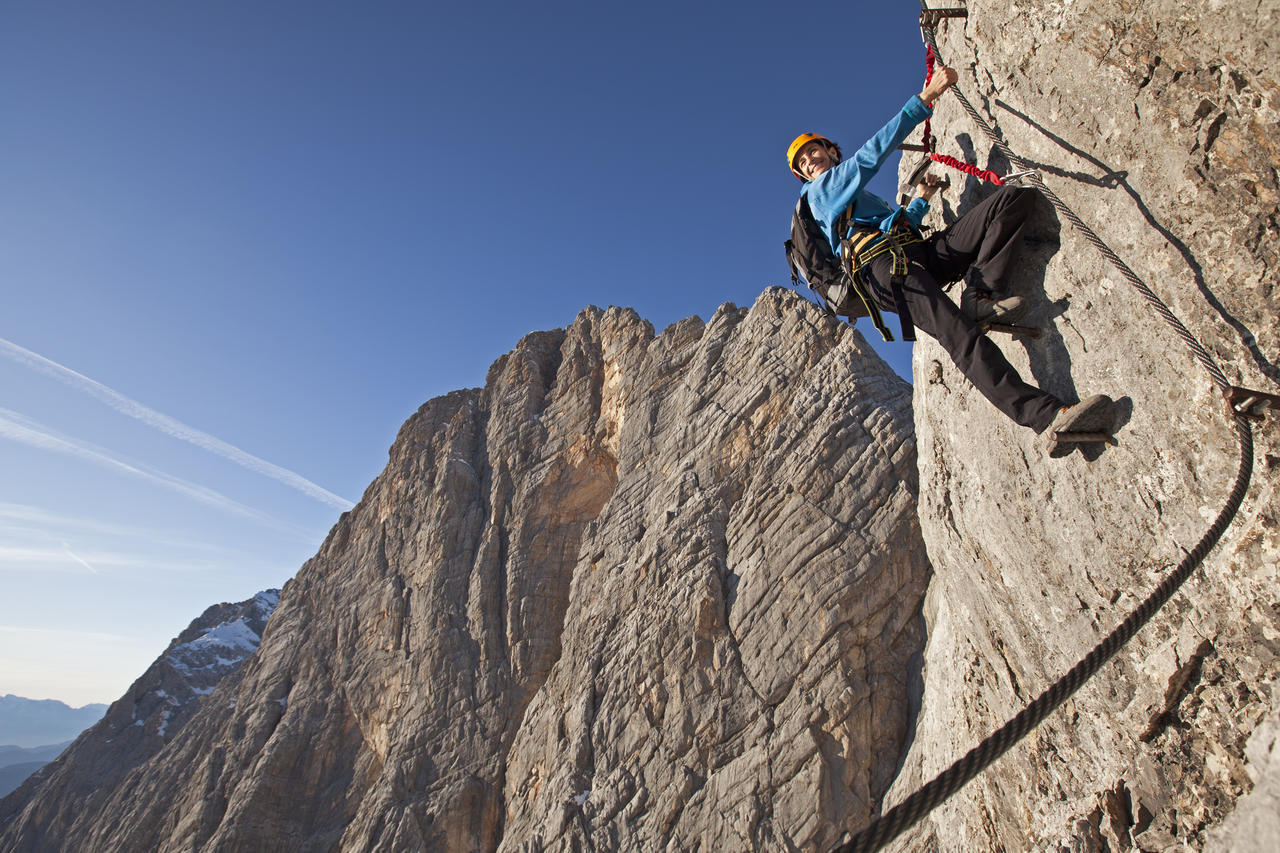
pixel 850 253
pixel 864 246
pixel 897 277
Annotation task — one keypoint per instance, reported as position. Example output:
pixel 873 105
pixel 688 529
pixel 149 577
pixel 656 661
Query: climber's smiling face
pixel 814 159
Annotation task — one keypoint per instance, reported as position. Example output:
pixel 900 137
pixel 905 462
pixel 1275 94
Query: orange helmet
pixel 801 141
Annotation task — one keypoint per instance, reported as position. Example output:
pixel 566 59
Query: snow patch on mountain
pixel 202 661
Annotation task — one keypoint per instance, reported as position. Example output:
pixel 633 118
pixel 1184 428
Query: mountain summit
pixel 736 586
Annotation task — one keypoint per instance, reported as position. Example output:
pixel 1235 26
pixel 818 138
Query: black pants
pixel 985 241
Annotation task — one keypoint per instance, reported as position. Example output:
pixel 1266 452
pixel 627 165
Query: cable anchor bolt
pixel 1017 176
pixel 1251 404
pixel 929 18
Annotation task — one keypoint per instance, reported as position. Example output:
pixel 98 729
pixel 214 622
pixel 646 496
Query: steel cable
pixel 1201 354
pixel 904 815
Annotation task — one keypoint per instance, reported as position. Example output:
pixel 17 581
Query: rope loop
pixel 930 58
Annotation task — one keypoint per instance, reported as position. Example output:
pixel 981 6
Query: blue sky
pixel 241 242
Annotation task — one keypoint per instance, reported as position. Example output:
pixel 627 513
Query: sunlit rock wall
pixel 1156 122
pixel 643 592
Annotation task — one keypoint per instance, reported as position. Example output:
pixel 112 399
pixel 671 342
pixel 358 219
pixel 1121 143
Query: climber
pixel 894 268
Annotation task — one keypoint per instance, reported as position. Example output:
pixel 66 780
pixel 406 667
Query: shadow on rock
pixel 1114 178
pixel 1123 413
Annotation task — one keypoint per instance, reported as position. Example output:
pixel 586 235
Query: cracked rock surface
pixel 1156 122
pixel 638 592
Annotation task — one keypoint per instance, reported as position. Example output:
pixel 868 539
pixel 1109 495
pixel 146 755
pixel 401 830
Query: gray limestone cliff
pixel 638 592
pixel 1157 123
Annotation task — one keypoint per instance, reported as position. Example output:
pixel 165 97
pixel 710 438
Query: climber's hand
pixel 943 79
pixel 930 185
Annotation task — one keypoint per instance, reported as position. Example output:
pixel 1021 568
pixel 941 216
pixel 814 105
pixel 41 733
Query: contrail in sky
pixel 18 520
pixel 22 429
pixel 73 555
pixel 169 426
pixel 42 557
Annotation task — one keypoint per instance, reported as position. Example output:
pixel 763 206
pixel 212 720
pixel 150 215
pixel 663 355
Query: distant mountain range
pixel 17 763
pixel 11 755
pixel 136 727
pixel 41 722
pixel 33 732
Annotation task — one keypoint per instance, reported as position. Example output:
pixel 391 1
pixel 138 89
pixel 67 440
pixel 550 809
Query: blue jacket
pixel 832 191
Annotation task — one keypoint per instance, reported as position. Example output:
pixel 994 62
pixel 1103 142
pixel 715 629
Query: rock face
pixel 669 592
pixel 637 592
pixel 59 804
pixel 1156 122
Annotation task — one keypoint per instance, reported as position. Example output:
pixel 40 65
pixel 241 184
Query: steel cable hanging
pixel 902 816
pixel 1019 164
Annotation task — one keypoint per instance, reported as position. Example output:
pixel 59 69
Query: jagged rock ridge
pixel 52 808
pixel 638 591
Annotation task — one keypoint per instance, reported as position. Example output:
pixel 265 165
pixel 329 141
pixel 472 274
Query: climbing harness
pixel 811 260
pixel 1243 405
pixel 863 247
pixel 839 284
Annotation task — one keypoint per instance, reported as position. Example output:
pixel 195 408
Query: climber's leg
pixel 980 360
pixel 985 240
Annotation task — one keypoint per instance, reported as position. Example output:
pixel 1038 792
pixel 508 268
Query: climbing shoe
pixel 1090 421
pixel 986 307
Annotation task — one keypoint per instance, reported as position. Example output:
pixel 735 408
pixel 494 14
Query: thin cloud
pixel 22 429
pixel 66 546
pixel 30 535
pixel 169 426
pixel 33 556
pixel 63 632
pixel 63 559
pixel 34 517
pixel 20 519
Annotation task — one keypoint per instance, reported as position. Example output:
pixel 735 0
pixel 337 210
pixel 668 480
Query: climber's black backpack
pixel 811 260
